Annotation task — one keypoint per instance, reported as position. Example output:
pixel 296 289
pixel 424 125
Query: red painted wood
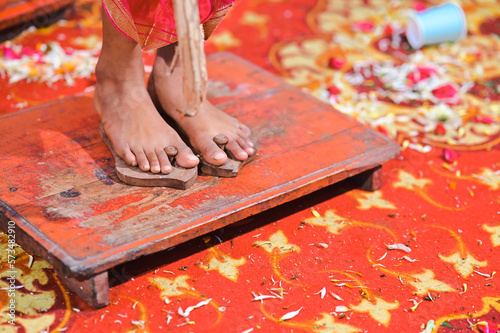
pixel 18 12
pixel 57 178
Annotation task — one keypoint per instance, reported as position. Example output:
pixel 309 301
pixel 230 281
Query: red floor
pixel 328 254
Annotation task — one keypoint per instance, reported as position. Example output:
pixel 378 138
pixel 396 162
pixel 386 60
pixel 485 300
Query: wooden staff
pixel 190 46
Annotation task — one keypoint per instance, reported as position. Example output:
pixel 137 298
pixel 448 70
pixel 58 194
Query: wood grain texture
pixel 59 184
pixel 179 178
pixel 192 55
pixel 14 13
pixel 94 291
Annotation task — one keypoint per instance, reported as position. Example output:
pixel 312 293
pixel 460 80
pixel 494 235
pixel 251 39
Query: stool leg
pixel 94 291
pixel 370 180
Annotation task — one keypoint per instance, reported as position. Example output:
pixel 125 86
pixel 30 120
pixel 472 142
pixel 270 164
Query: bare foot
pixel 138 132
pixel 209 121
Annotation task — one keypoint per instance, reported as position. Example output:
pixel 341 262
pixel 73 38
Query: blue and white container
pixel 445 23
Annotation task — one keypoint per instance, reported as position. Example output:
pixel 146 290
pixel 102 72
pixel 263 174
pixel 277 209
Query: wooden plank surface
pixel 21 12
pixel 57 178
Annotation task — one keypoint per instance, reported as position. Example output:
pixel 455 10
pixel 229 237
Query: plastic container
pixel 445 23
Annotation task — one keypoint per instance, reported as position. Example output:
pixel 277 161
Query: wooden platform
pixel 57 177
pixel 31 12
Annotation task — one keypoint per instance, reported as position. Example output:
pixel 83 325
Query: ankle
pixel 166 62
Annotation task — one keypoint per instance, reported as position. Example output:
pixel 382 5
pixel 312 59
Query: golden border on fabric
pixel 153 36
pixel 121 19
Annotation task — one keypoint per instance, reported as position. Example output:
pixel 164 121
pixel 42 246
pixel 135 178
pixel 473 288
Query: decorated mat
pixel 419 255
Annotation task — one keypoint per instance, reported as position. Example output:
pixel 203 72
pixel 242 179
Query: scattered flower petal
pixel 290 315
pixel 191 308
pixel 401 247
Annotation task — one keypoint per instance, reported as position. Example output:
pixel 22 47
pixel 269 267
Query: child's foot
pixel 138 132
pixel 209 121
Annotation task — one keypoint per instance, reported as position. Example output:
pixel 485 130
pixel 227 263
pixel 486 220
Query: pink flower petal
pixel 419 6
pixel 9 54
pixel 444 92
pixel 333 90
pixel 363 26
pixel 440 129
pixel 450 155
pixel 336 63
pixel 483 119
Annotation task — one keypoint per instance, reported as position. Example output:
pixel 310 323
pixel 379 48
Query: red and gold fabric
pixel 152 23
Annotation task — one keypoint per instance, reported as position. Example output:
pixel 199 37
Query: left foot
pixel 207 123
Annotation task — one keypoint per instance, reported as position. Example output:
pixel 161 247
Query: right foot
pixel 138 132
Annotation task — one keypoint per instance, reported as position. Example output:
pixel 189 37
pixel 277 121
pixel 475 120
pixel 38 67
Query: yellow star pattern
pixel 408 181
pixel 328 325
pixel 331 221
pixel 33 301
pixel 495 234
pixel 368 200
pixel 169 287
pixel 464 266
pixel 256 20
pixel 31 325
pixel 226 266
pixel 490 178
pixel 425 282
pixel 224 40
pixel 378 309
pixel 279 241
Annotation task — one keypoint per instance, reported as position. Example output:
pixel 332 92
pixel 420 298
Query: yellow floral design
pixel 425 282
pixel 409 182
pixel 224 264
pixel 495 234
pixel 279 242
pixel 331 221
pixel 328 325
pixel 464 266
pixel 278 248
pixel 334 222
pixel 463 261
pixel 224 40
pixel 489 177
pixel 378 309
pixel 254 19
pixel 368 200
pixel 29 300
pixel 169 287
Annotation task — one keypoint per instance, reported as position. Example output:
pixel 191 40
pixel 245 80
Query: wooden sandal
pixel 179 178
pixel 230 168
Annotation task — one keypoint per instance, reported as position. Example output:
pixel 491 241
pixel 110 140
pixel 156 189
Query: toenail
pixel 192 157
pixel 250 151
pixel 218 155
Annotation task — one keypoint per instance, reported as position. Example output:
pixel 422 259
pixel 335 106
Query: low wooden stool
pixel 57 181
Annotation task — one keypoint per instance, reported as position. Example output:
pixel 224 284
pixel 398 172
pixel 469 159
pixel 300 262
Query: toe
pixel 154 164
pixel 142 160
pixel 245 145
pixel 185 157
pixel 245 131
pixel 128 157
pixel 234 147
pixel 213 154
pixel 164 162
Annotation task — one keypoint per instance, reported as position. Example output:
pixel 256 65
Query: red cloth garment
pixel 151 23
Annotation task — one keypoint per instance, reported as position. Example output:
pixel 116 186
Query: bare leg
pixel 134 126
pixel 209 121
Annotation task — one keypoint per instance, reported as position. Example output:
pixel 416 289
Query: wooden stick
pixel 190 40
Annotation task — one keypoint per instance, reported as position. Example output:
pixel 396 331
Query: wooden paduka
pixel 192 55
